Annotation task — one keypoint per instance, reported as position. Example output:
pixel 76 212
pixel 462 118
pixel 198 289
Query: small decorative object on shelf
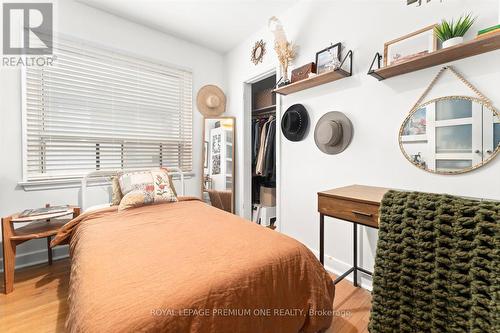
pixel 488 31
pixel 328 59
pixel 417 160
pixel 452 33
pixel 303 72
pixel 418 2
pixel 285 50
pixel 258 51
pixel 411 46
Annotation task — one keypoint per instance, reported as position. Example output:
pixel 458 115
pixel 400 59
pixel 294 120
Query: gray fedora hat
pixel 333 133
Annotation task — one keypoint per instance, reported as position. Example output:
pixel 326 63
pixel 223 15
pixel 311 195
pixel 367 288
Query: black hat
pixel 294 122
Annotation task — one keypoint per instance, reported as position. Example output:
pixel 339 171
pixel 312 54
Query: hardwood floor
pixel 38 302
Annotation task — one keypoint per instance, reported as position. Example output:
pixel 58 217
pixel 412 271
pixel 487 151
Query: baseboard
pixel 339 267
pixel 38 257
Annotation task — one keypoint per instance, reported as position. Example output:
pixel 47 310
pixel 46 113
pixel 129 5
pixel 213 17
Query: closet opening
pixel 263 152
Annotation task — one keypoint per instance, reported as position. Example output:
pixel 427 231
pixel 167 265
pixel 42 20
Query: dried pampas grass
pixel 286 52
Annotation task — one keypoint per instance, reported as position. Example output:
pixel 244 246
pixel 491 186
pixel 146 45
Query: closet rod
pixel 264 114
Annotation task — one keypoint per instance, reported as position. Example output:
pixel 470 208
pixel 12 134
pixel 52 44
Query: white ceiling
pixel 217 24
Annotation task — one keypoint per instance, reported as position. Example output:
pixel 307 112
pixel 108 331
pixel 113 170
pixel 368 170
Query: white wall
pixel 86 23
pixel 375 108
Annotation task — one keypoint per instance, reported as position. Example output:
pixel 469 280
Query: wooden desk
pixel 357 204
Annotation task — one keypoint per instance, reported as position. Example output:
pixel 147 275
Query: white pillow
pixel 96 207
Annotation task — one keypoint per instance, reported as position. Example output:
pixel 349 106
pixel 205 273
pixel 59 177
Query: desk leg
pixel 355 252
pixel 322 238
pixel 9 255
pixel 49 250
pixel 354 269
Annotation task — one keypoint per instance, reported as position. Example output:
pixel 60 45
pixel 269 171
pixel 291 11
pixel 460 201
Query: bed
pixel 190 267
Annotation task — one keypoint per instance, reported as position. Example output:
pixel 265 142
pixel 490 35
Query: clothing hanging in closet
pixel 270 152
pixel 264 142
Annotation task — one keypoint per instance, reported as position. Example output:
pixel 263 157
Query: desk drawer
pixel 354 211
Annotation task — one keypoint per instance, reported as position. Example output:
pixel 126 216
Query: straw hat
pixel 294 122
pixel 211 101
pixel 333 133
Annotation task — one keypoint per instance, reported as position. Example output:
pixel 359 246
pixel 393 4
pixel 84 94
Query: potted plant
pixel 452 33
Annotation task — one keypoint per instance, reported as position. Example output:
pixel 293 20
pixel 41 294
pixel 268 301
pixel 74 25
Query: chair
pixel 221 199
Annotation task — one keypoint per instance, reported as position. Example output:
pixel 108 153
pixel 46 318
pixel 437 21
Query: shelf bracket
pixel 371 71
pixel 348 55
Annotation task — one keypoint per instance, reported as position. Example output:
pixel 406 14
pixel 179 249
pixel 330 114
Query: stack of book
pixel 488 31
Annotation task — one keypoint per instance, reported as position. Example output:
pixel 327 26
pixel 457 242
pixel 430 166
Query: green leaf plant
pixel 447 30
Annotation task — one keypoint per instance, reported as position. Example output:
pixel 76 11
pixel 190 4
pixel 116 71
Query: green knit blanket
pixel 437 266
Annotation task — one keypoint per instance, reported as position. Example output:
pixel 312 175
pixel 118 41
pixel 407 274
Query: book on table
pixel 43 211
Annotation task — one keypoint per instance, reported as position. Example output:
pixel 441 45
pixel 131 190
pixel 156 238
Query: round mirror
pixel 450 135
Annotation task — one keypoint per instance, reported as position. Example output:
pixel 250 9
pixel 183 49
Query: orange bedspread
pixel 188 267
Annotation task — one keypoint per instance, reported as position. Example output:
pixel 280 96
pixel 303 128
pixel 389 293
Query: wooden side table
pixel 357 204
pixel 42 226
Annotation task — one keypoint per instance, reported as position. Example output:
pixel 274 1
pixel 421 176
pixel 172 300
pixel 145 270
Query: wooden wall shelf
pixel 312 82
pixel 318 79
pixel 464 50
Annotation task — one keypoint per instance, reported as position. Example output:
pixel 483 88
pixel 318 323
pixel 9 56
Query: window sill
pixel 56 184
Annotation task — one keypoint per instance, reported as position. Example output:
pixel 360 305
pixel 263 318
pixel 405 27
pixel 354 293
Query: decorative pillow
pixel 157 190
pixel 117 192
pixel 136 180
pixel 170 180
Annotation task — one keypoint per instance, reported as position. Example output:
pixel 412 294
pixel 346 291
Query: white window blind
pixel 96 109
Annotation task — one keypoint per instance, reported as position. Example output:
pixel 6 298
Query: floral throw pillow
pixel 137 180
pixel 163 190
pixel 150 188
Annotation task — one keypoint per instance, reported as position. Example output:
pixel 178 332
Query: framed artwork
pixel 216 141
pixel 417 124
pixel 410 46
pixel 216 164
pixel 328 59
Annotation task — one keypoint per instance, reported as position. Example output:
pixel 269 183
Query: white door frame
pixel 475 120
pixel 247 139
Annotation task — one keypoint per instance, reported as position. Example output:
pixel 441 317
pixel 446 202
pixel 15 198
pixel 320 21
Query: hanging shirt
pixel 255 140
pixel 270 152
pixel 260 158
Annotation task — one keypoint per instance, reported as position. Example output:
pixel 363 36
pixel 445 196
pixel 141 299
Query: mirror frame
pixel 415 109
pixel 233 154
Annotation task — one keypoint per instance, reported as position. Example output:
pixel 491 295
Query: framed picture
pixel 328 59
pixel 216 164
pixel 216 142
pixel 410 46
pixel 417 124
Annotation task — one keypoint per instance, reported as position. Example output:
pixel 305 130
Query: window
pixel 96 109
